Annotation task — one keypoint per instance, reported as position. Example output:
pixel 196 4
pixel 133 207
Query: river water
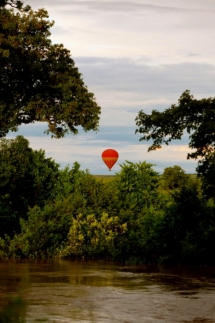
pixel 100 292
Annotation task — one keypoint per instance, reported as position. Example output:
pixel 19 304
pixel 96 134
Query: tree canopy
pixel 38 79
pixel 195 116
pixel 14 4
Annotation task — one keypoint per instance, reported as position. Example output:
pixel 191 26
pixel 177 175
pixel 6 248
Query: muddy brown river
pixel 99 292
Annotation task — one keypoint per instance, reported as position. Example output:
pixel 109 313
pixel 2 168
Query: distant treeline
pixel 137 217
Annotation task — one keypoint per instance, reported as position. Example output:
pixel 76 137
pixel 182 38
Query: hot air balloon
pixel 110 157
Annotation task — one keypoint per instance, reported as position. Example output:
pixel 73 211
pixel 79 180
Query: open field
pixel 109 178
pixel 104 178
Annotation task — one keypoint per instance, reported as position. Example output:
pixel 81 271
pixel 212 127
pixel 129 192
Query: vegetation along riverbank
pixel 138 216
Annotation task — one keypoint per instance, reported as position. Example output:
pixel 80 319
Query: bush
pixel 185 233
pixel 85 193
pixel 92 238
pixel 27 179
pixel 174 177
pixel 44 233
pixel 137 186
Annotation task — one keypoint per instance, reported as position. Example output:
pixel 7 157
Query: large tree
pixel 38 79
pixel 195 116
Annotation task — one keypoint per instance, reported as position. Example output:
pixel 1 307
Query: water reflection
pixel 73 291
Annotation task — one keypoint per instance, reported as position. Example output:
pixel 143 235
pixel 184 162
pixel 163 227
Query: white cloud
pixel 163 30
pixel 124 86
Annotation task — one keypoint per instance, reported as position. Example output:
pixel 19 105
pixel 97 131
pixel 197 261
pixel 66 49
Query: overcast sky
pixel 133 55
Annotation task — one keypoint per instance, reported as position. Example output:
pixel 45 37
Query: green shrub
pixel 137 185
pixel 90 237
pixel 44 233
pixel 187 228
pixel 174 177
pixel 27 178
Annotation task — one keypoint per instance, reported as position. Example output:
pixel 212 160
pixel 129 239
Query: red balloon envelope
pixel 110 157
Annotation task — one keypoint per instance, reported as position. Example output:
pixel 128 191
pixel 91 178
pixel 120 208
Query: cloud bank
pixel 133 55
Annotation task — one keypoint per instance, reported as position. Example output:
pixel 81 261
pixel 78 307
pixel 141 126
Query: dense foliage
pixel 38 79
pixel 174 177
pixel 46 211
pixel 137 186
pixel 140 216
pixel 27 178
